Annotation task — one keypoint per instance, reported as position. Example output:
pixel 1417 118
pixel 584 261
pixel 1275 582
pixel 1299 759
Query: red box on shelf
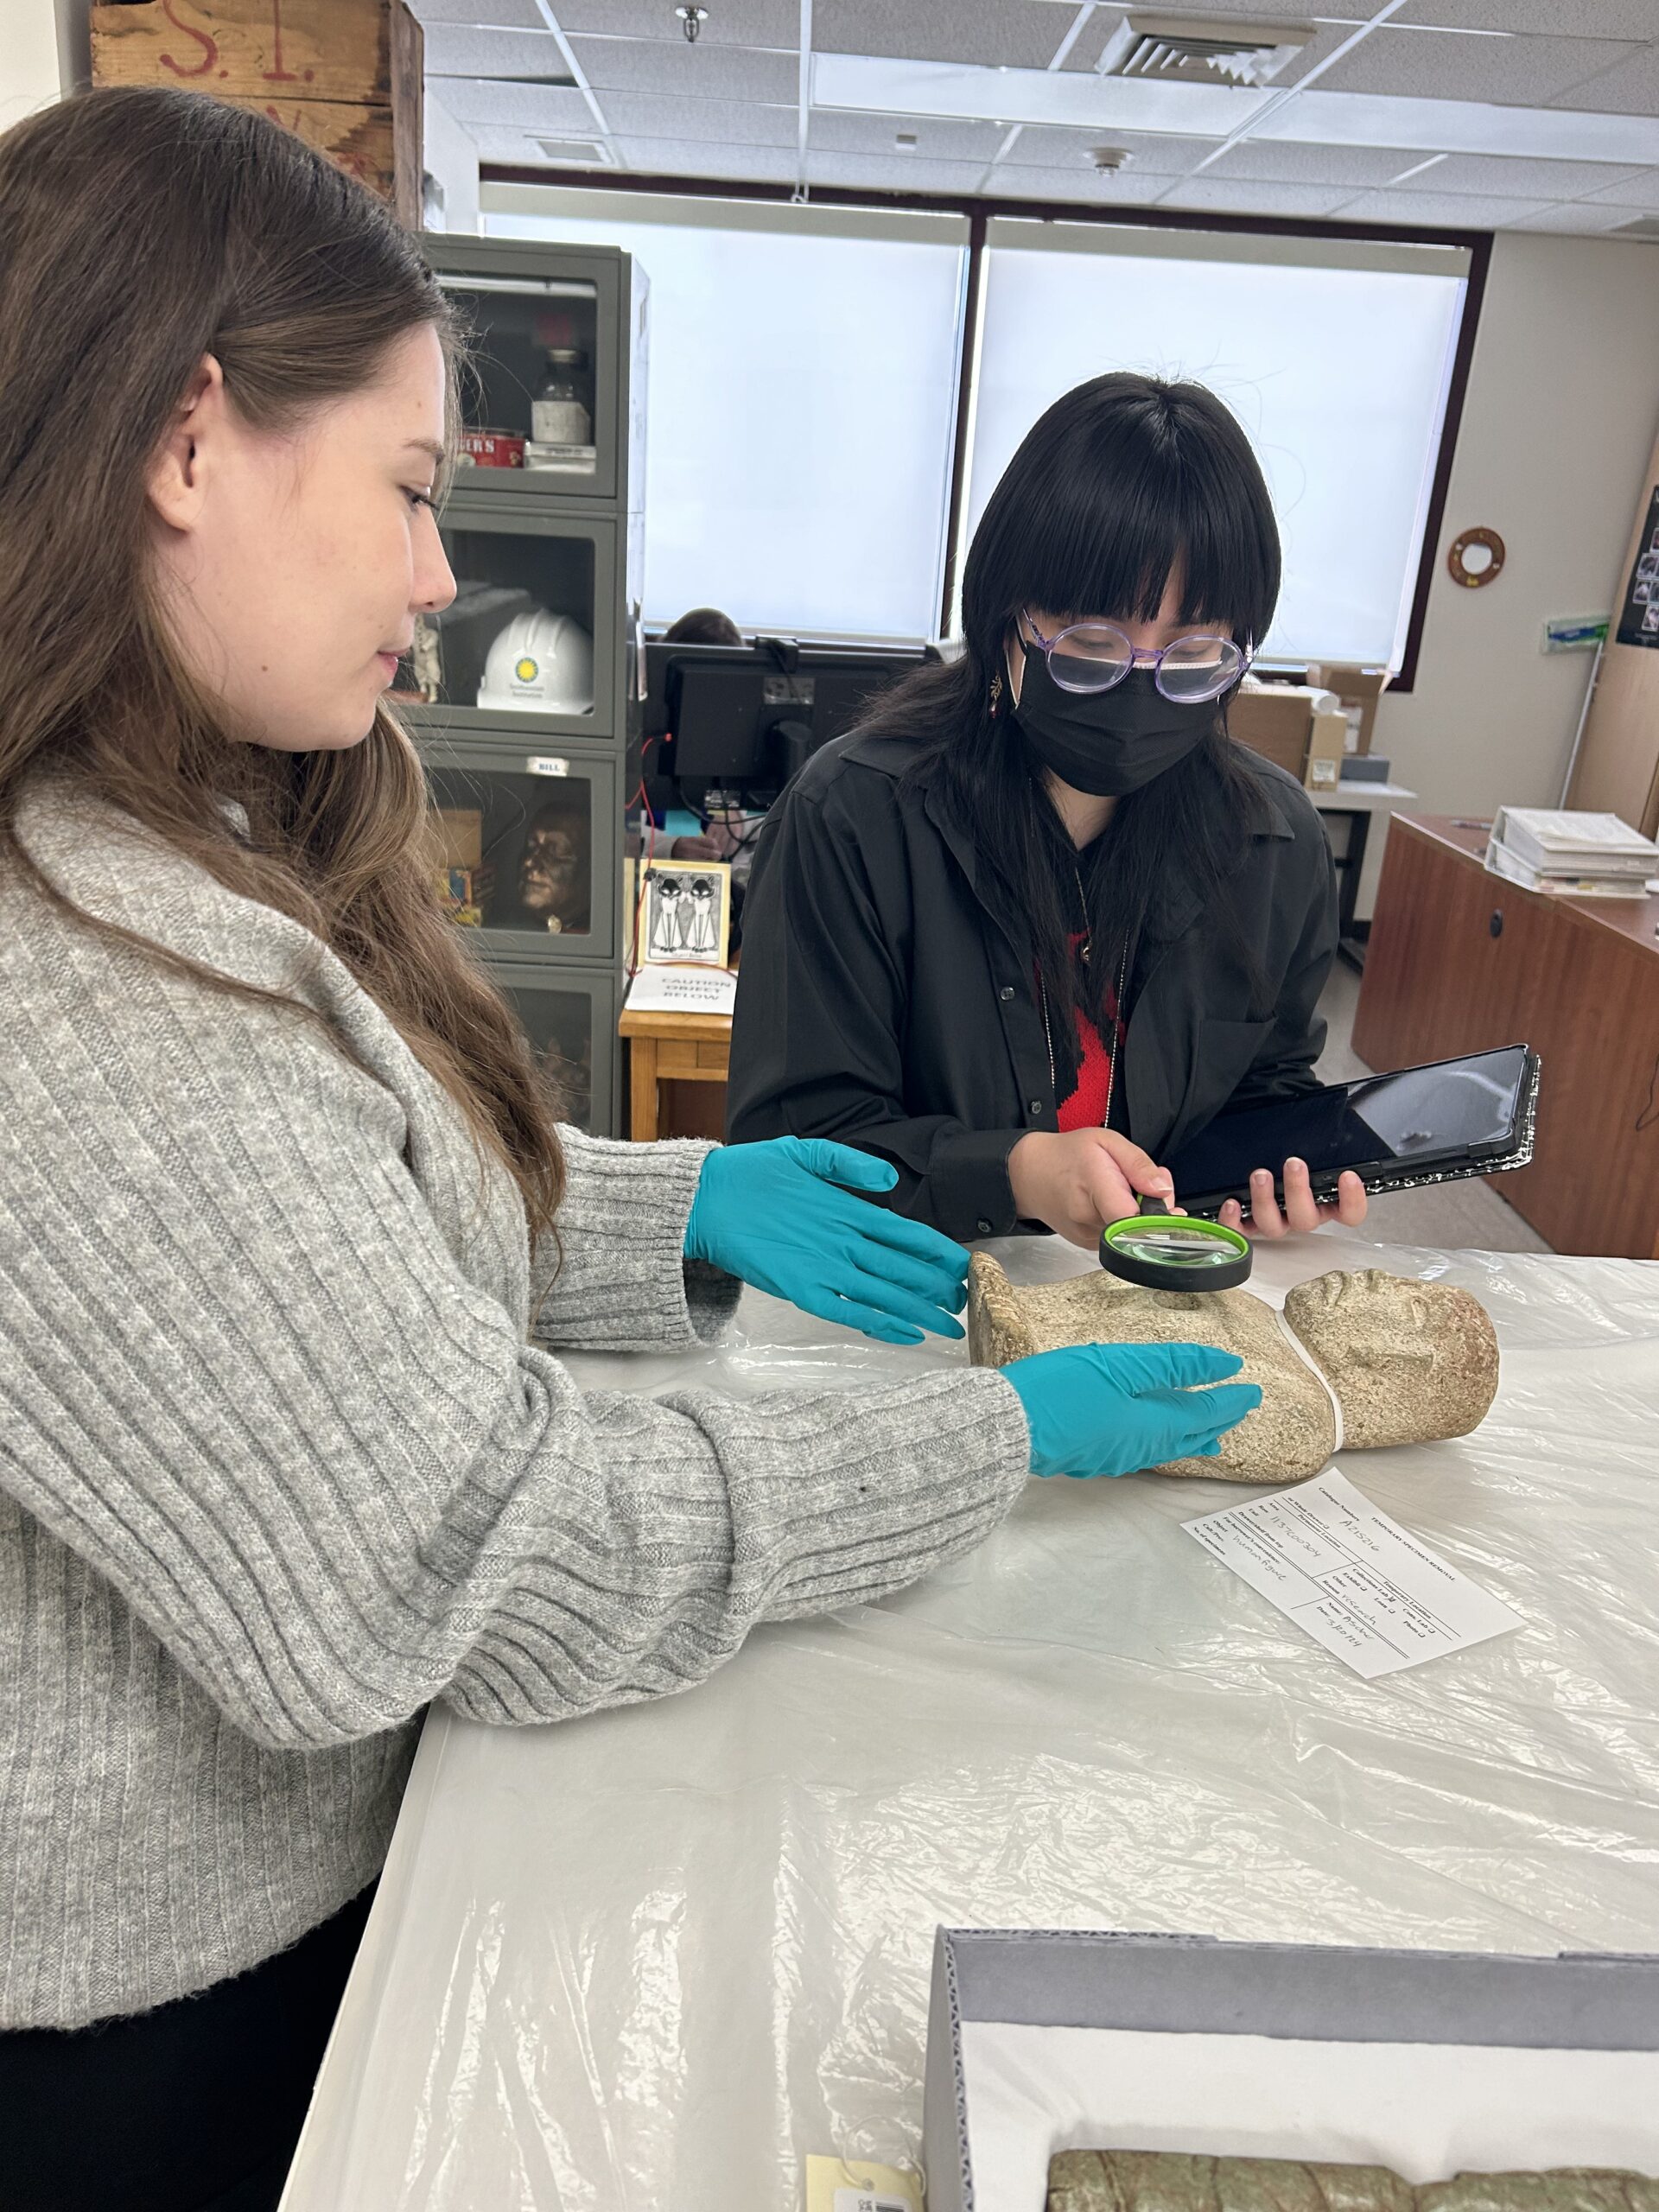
pixel 491 449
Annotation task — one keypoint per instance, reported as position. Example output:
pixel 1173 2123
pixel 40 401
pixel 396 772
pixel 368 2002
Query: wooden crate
pixel 345 75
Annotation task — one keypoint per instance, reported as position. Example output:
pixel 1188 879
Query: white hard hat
pixel 540 663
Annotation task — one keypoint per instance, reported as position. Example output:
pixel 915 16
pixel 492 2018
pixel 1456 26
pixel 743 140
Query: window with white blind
pixel 801 406
pixel 1336 355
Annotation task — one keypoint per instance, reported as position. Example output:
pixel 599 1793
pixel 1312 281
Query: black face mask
pixel 1111 742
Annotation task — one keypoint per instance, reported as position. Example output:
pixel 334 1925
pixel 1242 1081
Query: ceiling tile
pixel 475 100
pixel 833 131
pixel 510 15
pixel 1639 188
pixel 464 50
pixel 1442 211
pixel 1074 187
pixel 699 71
pixel 1507 178
pixel 1631 88
pixel 1527 70
pixel 1283 162
pixel 1011 34
pixel 1575 18
pixel 731 23
pixel 897 173
pixel 1091 44
pixel 729 164
pixel 1247 196
pixel 1049 146
pixel 504 143
pixel 702 123
pixel 1581 217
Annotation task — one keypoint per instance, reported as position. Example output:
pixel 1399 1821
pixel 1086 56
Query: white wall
pixel 28 58
pixel 1558 423
pixel 450 156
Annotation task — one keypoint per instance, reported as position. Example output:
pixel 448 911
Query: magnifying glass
pixel 1165 1251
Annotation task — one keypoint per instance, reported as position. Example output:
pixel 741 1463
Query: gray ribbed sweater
pixel 278 1467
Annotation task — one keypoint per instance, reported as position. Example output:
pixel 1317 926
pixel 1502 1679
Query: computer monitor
pixel 743 718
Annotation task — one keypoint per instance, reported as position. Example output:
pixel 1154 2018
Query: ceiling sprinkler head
pixel 1109 159
pixel 691 21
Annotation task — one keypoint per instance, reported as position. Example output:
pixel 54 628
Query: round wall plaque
pixel 1476 557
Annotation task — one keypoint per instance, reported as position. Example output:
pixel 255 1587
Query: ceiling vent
pixel 577 153
pixel 1644 227
pixel 1192 50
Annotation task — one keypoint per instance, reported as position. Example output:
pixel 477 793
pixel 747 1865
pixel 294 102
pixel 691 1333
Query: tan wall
pixel 1558 425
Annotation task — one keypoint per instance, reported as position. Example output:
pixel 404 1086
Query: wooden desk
pixel 1460 961
pixel 669 1048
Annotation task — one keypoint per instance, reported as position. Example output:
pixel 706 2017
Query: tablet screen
pixel 1417 1117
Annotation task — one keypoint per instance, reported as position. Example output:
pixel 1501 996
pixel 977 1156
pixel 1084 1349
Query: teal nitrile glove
pixel 785 1216
pixel 1112 1410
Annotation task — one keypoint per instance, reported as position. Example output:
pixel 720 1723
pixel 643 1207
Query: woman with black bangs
pixel 1039 920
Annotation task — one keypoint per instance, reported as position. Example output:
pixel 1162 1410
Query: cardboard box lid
pixel 1339 1993
pixel 1348 681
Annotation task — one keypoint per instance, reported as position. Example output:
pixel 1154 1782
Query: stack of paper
pixel 1579 855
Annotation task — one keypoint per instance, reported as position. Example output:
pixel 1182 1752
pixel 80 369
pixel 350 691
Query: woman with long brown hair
pixel 290 1229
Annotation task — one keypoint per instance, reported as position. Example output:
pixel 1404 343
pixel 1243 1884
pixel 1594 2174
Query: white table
pixel 649 1959
pixel 1356 803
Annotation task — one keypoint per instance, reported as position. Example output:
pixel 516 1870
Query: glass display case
pixel 530 638
pixel 521 847
pixel 520 696
pixel 548 400
pixel 570 1021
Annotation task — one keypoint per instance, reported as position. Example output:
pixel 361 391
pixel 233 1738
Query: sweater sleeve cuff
pixel 619 1279
pixel 895 1483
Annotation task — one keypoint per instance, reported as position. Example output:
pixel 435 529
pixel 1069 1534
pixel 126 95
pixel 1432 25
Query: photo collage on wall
pixel 1638 617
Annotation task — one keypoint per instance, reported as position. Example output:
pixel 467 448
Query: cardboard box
pixel 1276 720
pixel 1040 2041
pixel 1358 690
pixel 1326 750
pixel 345 75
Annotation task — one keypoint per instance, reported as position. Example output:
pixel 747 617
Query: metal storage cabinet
pixel 540 791
pixel 564 554
pixel 521 790
pixel 505 288
pixel 570 1017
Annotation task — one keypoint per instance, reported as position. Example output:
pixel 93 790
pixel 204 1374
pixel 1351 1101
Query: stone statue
pixel 1407 1362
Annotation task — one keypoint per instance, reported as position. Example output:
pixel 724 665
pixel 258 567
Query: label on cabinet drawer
pixel 545 763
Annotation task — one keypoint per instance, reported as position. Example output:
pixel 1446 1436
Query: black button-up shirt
pixel 882 1003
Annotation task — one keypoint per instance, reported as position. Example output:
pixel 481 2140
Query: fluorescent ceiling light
pixel 877 84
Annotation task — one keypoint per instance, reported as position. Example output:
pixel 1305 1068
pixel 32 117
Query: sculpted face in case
pixel 1409 1362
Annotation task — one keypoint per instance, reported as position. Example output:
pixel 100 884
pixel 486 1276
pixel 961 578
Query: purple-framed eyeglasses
pixel 1095 656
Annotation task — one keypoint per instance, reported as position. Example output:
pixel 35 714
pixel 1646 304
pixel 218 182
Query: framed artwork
pixel 685 912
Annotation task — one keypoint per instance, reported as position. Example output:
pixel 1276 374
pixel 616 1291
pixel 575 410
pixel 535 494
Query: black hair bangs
pixel 1121 483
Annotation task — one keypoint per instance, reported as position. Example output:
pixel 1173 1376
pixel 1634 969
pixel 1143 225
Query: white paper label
pixel 682 990
pixel 867 2200
pixel 543 764
pixel 1356 1581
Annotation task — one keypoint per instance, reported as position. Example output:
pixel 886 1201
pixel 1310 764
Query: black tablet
pixel 1434 1124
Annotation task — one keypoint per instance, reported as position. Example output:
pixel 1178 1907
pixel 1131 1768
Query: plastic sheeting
pixel 654 1958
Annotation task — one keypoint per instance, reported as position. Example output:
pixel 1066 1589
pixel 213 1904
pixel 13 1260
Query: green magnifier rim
pixel 1164 1252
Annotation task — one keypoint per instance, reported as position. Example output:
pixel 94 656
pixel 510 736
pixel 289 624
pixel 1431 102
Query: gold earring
pixel 996 692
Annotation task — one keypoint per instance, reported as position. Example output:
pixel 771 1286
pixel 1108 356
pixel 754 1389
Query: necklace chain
pixel 1111 1051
